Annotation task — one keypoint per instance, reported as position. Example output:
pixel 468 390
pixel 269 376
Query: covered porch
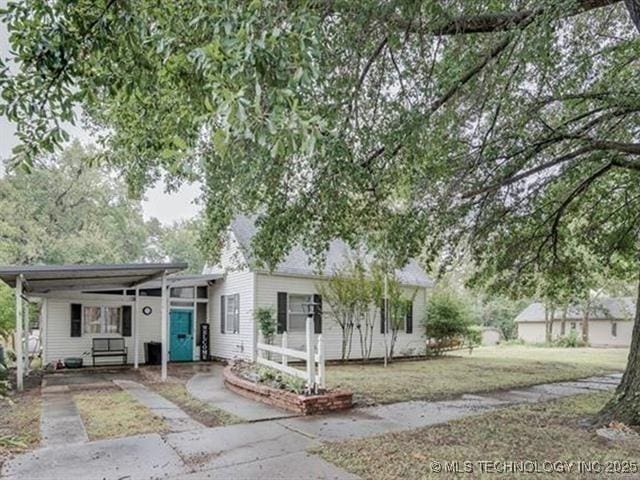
pixel 113 308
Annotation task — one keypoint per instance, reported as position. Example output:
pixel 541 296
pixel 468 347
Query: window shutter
pixel 76 320
pixel 222 312
pixel 282 312
pixel 409 318
pixel 236 316
pixel 126 320
pixel 382 315
pixel 317 314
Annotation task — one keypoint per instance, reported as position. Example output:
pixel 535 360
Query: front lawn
pixel 112 413
pixel 488 368
pixel 546 432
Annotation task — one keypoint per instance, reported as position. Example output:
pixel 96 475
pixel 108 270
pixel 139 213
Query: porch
pixel 85 306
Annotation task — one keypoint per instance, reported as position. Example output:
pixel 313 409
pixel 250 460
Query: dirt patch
pixel 19 424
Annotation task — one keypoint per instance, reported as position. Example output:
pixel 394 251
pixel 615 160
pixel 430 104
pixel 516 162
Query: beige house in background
pixel 610 324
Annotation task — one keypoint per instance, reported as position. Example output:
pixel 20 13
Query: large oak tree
pixel 506 127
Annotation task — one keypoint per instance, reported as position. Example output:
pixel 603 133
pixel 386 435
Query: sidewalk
pixel 268 449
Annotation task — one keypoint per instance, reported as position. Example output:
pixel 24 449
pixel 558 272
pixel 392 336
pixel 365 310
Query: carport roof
pixel 46 278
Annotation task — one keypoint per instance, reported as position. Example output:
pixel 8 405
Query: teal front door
pixel 181 339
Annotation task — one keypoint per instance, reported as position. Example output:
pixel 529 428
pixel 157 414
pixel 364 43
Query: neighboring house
pixel 610 322
pixel 83 302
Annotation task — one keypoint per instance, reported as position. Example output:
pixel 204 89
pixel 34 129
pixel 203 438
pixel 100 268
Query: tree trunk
pixel 625 405
pixel 585 326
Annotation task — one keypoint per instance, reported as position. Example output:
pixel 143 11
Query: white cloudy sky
pixel 166 207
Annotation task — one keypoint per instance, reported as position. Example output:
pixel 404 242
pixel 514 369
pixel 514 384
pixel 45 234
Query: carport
pixel 33 281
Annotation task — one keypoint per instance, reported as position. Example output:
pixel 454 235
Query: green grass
pixel 115 413
pixel 19 424
pixel 542 432
pixel 488 368
pixel 203 412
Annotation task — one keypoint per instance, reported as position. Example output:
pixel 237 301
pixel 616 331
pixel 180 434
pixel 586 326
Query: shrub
pixel 569 341
pixel 266 323
pixel 447 317
pixel 473 337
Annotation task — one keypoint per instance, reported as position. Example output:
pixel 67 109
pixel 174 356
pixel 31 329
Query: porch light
pixel 309 308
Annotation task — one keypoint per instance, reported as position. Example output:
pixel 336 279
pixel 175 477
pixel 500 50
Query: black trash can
pixel 152 353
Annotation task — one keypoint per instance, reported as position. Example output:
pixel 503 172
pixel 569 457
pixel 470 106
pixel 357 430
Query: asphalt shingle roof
pixel 619 308
pixel 298 262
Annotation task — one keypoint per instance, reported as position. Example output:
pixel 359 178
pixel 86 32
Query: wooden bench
pixel 108 347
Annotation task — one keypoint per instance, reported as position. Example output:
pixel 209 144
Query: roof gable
pixel 298 262
pixel 622 308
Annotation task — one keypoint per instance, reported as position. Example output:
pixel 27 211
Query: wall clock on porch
pixel 147 310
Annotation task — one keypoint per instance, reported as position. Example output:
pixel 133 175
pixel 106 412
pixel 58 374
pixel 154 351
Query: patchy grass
pixel 200 411
pixel 19 424
pixel 115 413
pixel 542 432
pixel 488 368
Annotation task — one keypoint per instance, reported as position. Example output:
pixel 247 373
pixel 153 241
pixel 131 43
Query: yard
pixel 486 369
pixel 547 432
pixel 19 424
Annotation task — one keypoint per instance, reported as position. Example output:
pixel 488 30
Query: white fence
pixel 313 356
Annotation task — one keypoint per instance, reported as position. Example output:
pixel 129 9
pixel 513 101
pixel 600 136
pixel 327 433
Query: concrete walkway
pixel 209 387
pixel 175 418
pixel 60 422
pixel 269 449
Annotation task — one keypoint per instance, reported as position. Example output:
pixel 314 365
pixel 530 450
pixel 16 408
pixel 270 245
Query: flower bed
pixel 245 379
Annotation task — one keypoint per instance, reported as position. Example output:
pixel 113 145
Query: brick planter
pixel 306 405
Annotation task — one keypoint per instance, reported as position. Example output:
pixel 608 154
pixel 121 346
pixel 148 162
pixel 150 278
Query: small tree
pixel 266 323
pixel 348 293
pixel 447 319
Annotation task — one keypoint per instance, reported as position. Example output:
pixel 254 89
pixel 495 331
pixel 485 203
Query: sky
pixel 167 208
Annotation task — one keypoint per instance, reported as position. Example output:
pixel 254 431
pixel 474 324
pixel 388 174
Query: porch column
pixel 19 334
pixel 136 340
pixel 163 328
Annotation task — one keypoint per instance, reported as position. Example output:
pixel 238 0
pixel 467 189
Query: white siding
pixel 238 280
pixel 59 344
pixel 267 290
pixel 599 332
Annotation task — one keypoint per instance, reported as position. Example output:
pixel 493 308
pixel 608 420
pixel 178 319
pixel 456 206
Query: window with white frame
pixel 102 319
pixel 230 313
pixel 297 318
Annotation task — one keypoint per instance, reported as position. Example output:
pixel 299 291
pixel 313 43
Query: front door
pixel 181 340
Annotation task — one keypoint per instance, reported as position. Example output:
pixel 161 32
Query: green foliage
pixel 447 317
pixel 266 323
pixel 281 380
pixel 571 340
pixel 179 242
pixel 374 120
pixel 66 211
pixel 473 337
pixel 7 310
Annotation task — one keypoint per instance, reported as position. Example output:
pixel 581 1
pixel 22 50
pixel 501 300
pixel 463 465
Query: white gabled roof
pixel 298 262
pixel 606 308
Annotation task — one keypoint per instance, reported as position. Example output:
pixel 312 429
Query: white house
pixel 207 315
pixel 292 283
pixel 610 322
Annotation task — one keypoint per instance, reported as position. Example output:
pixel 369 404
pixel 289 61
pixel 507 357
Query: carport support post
pixel 136 340
pixel 19 334
pixel 163 330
